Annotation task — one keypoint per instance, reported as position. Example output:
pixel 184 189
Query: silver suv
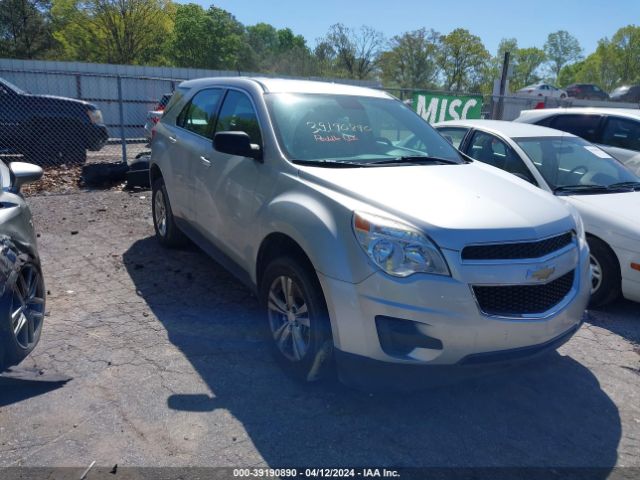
pixel 361 248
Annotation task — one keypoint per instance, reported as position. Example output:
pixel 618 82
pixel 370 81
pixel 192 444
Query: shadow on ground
pixel 19 384
pixel 548 413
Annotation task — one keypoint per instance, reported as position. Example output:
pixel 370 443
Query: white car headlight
pixel 398 249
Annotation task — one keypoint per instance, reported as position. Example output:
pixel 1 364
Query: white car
pixel 606 194
pixel 542 90
pixel 615 130
pixel 357 247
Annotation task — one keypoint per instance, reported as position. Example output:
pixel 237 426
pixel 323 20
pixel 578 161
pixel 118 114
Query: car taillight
pixel 95 116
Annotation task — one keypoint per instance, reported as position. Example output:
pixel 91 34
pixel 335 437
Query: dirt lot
pixel 166 366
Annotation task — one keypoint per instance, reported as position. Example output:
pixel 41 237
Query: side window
pixel 199 115
pixel 584 126
pixel 491 150
pixel 454 135
pixel 623 133
pixel 545 122
pixel 238 115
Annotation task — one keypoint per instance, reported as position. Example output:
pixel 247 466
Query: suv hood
pixel 455 205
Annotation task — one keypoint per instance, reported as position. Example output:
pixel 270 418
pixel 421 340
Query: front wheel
pixel 23 308
pixel 605 273
pixel 297 318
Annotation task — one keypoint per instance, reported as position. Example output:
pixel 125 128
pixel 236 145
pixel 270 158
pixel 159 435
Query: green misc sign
pixel 437 107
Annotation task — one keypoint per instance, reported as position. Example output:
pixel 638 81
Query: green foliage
pixel 210 38
pixel 464 61
pixel 113 31
pixel 561 48
pixel 24 28
pixel 528 62
pixel 412 60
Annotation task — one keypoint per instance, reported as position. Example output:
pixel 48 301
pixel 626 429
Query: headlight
pixel 397 248
pixel 580 233
pixel 95 116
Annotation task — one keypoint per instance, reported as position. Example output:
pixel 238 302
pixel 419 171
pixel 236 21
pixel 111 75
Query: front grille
pixel 523 299
pixel 512 251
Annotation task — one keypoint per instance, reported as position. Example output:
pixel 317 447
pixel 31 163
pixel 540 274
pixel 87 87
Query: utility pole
pixel 499 110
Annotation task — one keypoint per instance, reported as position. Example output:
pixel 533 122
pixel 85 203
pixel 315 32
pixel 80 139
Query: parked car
pixel 586 91
pixel 541 90
pixel 153 116
pixel 48 129
pixel 606 194
pixel 615 130
pixel 22 291
pixel 358 248
pixel 627 93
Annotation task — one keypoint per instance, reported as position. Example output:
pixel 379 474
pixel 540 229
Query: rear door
pixel 621 139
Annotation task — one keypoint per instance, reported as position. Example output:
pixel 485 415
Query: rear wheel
pixel 297 318
pixel 605 273
pixel 23 307
pixel 167 232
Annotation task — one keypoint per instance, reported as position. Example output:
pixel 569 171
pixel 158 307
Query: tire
pixel 24 292
pixel 310 357
pixel 606 280
pixel 167 232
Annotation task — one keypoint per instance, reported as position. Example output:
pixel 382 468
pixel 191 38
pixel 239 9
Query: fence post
pixel 123 141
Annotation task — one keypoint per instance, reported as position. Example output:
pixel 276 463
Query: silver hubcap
pixel 160 213
pixel 596 274
pixel 27 306
pixel 289 318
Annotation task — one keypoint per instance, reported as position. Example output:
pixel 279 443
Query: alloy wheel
pixel 596 274
pixel 289 318
pixel 160 213
pixel 27 306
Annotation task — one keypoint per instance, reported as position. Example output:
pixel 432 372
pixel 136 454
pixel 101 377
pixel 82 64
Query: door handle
pixel 173 139
pixel 205 161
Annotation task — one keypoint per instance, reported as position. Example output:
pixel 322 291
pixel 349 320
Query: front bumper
pixel 445 310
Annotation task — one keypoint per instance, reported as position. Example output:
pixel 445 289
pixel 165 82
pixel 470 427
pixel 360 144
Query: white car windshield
pixel 354 130
pixel 567 162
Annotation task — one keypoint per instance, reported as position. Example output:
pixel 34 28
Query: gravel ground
pixel 166 367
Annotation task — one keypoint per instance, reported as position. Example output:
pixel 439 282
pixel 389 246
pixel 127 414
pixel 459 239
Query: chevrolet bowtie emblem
pixel 542 274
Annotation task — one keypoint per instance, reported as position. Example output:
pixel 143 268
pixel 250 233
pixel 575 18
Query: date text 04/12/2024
pixel 317 473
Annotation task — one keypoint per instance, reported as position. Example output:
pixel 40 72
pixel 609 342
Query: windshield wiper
pixel 415 160
pixel 624 185
pixel 330 163
pixel 581 189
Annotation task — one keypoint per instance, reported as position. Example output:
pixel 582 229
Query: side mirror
pixel 24 173
pixel 236 143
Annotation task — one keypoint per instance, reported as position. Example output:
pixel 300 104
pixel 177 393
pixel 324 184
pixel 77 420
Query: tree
pixel 625 46
pixel 208 39
pixel 412 59
pixel 24 28
pixel 356 51
pixel 113 31
pixel 528 61
pixel 464 60
pixel 561 48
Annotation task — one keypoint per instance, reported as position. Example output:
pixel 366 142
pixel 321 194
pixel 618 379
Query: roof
pixel 507 129
pixel 282 85
pixel 546 112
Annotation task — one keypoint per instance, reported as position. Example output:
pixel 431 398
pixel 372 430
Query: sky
pixel 528 21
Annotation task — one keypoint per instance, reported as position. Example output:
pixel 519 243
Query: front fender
pixel 323 230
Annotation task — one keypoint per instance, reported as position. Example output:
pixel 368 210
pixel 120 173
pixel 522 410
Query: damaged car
pixel 22 290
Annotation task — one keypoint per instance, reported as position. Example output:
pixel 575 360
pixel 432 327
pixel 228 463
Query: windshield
pixel 572 161
pixel 11 86
pixel 352 129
